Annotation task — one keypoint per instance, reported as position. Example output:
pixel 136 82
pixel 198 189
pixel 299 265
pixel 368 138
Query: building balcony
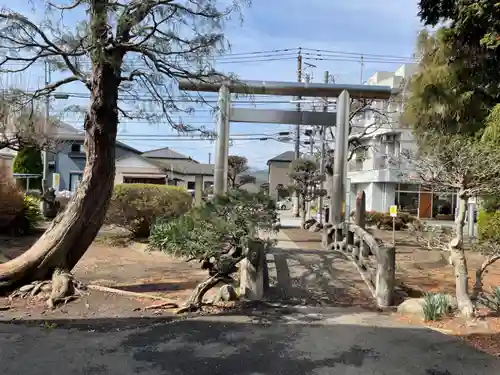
pixel 378 169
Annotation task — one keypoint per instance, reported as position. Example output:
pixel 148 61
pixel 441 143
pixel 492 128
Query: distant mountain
pixel 260 175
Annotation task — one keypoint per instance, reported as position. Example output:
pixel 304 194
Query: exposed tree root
pixel 164 305
pixel 63 288
pixel 195 301
pixel 131 294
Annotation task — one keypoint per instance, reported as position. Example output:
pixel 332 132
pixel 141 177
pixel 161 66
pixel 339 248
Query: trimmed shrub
pixel 386 222
pixel 29 160
pixel 488 226
pixel 205 232
pixel 136 207
pixel 31 212
pixel 384 219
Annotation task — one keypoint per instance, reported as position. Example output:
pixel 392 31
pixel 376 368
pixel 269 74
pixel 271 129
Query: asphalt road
pixel 333 341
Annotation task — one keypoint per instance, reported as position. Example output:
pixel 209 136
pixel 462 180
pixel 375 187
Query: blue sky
pixel 382 27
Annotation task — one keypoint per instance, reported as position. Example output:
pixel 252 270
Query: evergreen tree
pixel 29 161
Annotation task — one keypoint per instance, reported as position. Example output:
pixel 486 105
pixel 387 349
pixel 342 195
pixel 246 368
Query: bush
pixel 490 203
pixel 135 207
pixel 206 233
pixel 388 222
pixel 488 226
pixel 31 212
pixel 29 160
pixel 492 300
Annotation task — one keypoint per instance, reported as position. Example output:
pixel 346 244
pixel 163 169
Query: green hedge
pixel 488 226
pixel 136 207
pixel 384 219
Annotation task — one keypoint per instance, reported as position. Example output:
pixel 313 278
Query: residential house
pixel 378 170
pixel 250 188
pixel 279 167
pixel 68 160
pixel 163 166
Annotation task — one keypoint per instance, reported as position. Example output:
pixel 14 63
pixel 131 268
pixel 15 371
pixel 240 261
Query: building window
pixel 407 198
pixel 191 185
pixel 422 201
pixel 443 205
pixel 74 181
pixel 76 148
pixel 407 202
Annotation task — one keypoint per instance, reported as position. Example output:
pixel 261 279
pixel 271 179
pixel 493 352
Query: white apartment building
pixel 371 170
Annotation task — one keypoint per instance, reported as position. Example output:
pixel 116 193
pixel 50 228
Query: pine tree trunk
pixel 71 232
pixel 459 262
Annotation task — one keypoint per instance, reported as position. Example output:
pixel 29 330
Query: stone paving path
pixel 302 273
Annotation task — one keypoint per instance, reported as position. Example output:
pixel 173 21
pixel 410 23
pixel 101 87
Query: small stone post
pixel 253 269
pixel 360 209
pixel 198 190
pixel 386 269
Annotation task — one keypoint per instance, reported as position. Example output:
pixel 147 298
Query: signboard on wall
pixel 56 181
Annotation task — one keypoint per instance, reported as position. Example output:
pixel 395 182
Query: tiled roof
pixel 66 131
pixel 186 167
pixel 286 156
pixel 165 153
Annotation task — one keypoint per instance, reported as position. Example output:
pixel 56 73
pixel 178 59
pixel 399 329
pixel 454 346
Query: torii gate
pixel 340 118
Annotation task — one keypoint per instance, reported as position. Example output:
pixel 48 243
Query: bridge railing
pixel 375 260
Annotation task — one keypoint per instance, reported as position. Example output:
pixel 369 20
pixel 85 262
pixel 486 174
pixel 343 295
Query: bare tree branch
pixel 150 44
pixel 455 163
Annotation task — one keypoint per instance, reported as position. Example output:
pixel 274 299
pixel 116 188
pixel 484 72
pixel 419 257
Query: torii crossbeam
pixel 270 116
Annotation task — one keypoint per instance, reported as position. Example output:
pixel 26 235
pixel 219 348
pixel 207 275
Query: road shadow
pixel 157 287
pixel 225 345
pixel 315 278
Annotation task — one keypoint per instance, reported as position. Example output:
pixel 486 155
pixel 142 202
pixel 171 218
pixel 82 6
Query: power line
pixel 359 54
pixel 272 55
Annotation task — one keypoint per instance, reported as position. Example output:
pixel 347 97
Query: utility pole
pixel 45 161
pixel 362 62
pixel 297 128
pixel 322 135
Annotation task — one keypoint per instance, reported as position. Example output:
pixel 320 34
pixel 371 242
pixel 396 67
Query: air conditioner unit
pixel 388 138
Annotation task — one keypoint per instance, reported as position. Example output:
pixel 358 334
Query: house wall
pixel 138 167
pixel 379 195
pixel 191 178
pixel 70 165
pixel 278 174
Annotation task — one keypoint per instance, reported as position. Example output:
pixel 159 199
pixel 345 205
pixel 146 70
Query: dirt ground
pixel 126 267
pixel 132 268
pixel 419 270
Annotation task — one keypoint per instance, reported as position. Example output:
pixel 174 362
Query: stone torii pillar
pixel 222 144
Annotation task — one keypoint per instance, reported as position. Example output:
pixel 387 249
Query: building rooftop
pixel 286 156
pixel 166 153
